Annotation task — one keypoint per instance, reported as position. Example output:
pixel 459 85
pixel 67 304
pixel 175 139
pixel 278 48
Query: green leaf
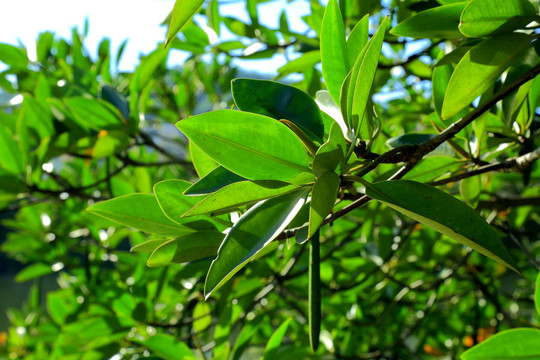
pixel 213 181
pixel 272 347
pixel 190 247
pixel 95 114
pixel 361 82
pixel 110 143
pixel 173 203
pixel 521 343
pixel 279 101
pixel 148 246
pixel 334 57
pixel 414 139
pixel 537 294
pixel 239 194
pixel 314 292
pixel 330 108
pixel 139 211
pixel 13 56
pixel 480 68
pixel 308 60
pixel 33 271
pixel 167 347
pixel 440 78
pixel 182 12
pixel 439 22
pixel 11 159
pixel 202 314
pixel 203 163
pixel 357 39
pixel 323 198
pixel 251 145
pixel 252 232
pixel 443 213
pixel 470 189
pixel 331 155
pixel 491 17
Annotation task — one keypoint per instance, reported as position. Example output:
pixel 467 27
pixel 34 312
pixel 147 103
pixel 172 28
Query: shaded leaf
pixel 190 247
pixel 213 181
pixel 251 233
pixel 167 347
pixel 331 155
pixel 33 271
pixel 323 198
pixel 279 101
pixel 250 145
pixel 443 213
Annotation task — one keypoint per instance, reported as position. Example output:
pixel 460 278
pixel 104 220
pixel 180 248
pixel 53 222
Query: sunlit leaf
pixel 480 68
pixel 213 181
pixel 511 344
pixel 272 347
pixel 334 57
pixel 491 17
pixel 331 155
pixel 251 145
pixel 182 12
pixel 139 211
pixel 438 22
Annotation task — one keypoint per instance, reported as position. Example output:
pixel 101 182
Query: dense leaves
pixel 404 170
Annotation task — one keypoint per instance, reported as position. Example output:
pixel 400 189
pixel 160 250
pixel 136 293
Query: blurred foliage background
pixel 74 130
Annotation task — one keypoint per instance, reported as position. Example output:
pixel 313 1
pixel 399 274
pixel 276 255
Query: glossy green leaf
pixel 334 57
pixel 250 234
pixel 182 12
pixel 251 145
pixel 521 343
pixel 480 68
pixel 331 155
pixel 173 203
pixel 357 39
pixel 443 213
pixel 139 211
pixel 323 198
pixel 272 347
pixel 190 247
pixel 330 108
pixel 361 82
pixel 167 347
pixel 439 22
pixel 203 163
pixel 279 101
pixel 95 114
pixel 213 181
pixel 491 17
pixel 240 194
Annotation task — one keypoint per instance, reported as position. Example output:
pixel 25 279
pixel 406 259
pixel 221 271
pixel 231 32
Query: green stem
pixel 314 292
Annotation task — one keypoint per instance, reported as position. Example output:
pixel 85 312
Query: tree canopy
pixel 377 199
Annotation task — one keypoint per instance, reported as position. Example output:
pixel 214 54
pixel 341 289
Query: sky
pixel 139 21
